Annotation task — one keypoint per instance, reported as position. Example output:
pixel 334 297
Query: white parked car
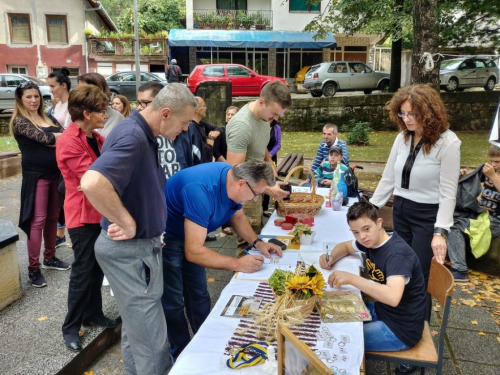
pixel 9 83
pixel 329 77
pixel 458 74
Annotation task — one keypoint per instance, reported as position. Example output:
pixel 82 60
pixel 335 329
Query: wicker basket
pixel 301 203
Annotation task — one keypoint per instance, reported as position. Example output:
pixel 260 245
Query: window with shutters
pixel 19 27
pixel 57 31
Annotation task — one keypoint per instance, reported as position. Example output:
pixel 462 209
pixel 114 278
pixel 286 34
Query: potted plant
pixel 259 21
pixel 247 20
pixel 303 234
pixel 88 33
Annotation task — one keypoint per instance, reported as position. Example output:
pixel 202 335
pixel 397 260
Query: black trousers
pixel 266 198
pixel 84 292
pixel 414 222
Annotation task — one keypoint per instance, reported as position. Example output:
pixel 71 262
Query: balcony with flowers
pixel 122 45
pixel 233 19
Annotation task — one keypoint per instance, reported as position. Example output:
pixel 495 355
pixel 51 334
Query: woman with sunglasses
pixel 36 134
pixel 422 171
pixel 78 147
pixel 114 117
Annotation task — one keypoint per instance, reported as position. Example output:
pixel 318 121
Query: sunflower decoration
pixel 295 296
pixel 306 285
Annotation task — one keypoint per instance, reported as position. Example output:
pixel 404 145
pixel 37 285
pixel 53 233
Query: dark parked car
pixel 244 80
pixel 329 77
pixel 123 83
pixel 9 83
pixel 457 74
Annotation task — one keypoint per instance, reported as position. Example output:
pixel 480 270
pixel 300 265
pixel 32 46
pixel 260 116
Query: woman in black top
pixel 36 135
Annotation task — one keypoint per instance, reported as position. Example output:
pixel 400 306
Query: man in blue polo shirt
pixel 126 186
pixel 199 200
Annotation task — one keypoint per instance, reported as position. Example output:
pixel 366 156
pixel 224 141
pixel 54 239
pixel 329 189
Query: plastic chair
pixel 424 353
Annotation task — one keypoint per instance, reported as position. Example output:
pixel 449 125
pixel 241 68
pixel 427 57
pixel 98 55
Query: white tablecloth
pixel 205 352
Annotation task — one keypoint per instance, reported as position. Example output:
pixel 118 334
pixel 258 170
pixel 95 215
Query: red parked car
pixel 244 80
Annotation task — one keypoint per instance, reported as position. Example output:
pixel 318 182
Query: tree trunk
pixel 395 82
pixel 425 39
pixel 396 48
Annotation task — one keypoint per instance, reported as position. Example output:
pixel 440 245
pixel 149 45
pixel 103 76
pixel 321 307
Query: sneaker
pixel 60 241
pixel 55 264
pixel 460 277
pixel 36 278
pixel 404 368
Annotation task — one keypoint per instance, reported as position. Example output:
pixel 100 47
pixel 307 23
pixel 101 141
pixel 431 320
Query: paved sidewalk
pixel 30 345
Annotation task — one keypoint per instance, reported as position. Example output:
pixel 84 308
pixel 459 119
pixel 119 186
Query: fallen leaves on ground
pixel 210 280
pixel 43 318
pixel 481 333
pixel 483 288
pixel 474 322
pixel 434 333
pixel 88 373
pixel 81 333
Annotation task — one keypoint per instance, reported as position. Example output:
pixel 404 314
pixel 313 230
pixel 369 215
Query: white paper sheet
pixel 287 263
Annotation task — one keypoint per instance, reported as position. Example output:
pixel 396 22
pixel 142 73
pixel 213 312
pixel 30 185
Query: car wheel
pixel 452 85
pixel 490 84
pixel 384 86
pixel 330 89
pixel 316 94
pixel 367 92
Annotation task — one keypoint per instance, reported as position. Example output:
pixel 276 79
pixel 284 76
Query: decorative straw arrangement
pixel 295 296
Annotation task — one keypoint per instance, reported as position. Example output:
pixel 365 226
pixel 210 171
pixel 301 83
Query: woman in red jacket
pixel 77 149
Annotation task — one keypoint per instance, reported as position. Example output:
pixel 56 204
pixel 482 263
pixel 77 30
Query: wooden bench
pixel 289 162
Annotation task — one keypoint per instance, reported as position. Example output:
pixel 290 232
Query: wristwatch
pixel 255 242
pixel 441 232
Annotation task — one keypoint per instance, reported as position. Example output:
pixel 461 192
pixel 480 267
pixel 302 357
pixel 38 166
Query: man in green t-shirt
pixel 247 136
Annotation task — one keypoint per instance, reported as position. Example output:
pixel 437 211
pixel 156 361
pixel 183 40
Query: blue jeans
pixel 379 337
pixel 185 285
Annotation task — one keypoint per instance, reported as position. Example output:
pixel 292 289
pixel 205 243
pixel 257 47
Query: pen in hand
pixel 327 255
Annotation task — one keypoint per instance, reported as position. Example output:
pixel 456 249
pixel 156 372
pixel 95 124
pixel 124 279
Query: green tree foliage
pixel 154 15
pixel 469 21
pixel 460 21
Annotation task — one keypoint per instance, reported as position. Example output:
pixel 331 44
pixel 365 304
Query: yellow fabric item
pixel 480 234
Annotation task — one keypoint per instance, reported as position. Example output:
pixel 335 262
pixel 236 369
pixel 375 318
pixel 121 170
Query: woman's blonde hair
pixel 21 111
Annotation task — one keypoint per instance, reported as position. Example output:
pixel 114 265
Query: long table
pixel 205 352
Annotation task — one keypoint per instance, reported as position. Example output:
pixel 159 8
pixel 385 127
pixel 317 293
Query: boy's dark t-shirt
pixel 396 258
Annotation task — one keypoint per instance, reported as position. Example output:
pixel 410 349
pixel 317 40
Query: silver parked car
pixel 9 83
pixel 329 77
pixel 457 74
pixel 123 83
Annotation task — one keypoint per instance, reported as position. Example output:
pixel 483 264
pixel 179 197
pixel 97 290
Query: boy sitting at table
pixel 324 173
pixel 397 283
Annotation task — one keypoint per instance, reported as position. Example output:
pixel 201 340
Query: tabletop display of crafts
pixel 295 295
pixel 302 234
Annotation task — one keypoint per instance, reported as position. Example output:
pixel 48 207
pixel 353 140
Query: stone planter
pixel 10 279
